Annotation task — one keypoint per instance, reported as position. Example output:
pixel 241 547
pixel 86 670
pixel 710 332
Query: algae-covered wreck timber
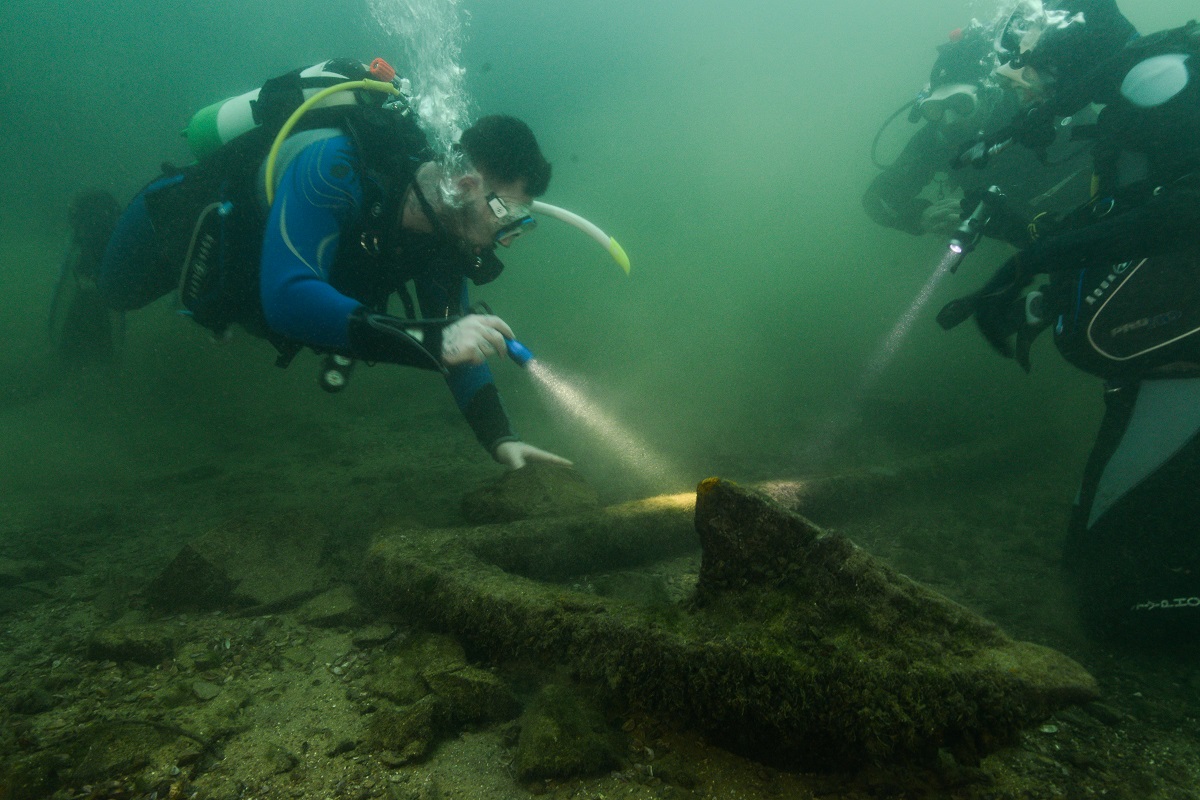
pixel 798 647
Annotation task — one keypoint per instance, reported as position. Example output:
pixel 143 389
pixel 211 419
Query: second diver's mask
pixel 950 103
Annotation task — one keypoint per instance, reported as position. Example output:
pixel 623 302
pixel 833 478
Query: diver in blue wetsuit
pixel 359 212
pixel 1123 300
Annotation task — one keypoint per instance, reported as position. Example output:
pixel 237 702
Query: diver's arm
pixel 1013 222
pixel 1165 223
pixel 893 198
pixel 320 194
pixel 472 386
pixel 484 411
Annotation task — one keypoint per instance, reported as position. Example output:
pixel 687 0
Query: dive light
pixel 968 234
pixel 519 353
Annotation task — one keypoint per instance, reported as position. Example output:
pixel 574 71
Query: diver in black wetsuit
pixel 963 99
pixel 1123 298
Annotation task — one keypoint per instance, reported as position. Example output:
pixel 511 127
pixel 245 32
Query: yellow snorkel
pixel 367 83
pixel 607 242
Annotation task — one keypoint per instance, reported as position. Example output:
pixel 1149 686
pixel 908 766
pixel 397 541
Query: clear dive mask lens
pixel 960 101
pixel 515 229
pixel 515 218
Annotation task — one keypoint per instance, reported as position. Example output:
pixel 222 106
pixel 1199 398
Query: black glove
pixel 1036 319
pixel 999 317
pixel 1035 128
pixel 1005 283
pixel 999 311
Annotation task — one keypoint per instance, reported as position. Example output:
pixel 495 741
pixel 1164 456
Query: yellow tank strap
pixel 368 84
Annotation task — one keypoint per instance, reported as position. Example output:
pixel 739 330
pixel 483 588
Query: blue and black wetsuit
pixel 316 275
pixel 310 275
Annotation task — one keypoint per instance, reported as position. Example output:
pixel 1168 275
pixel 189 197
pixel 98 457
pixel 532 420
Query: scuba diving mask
pixel 515 219
pixel 956 81
pixel 961 100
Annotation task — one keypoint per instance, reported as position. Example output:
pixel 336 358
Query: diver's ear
pixel 467 184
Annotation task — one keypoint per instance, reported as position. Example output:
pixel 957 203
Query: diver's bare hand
pixel 515 455
pixel 943 217
pixel 472 339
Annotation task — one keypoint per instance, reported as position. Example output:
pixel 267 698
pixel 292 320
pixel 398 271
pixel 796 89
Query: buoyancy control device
pixel 1142 316
pixel 210 220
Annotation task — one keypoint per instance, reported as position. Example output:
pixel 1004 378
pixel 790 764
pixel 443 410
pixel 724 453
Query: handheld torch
pixel 519 353
pixel 968 234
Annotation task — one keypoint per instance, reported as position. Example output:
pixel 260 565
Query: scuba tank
pixel 221 123
pixel 216 125
pixel 206 215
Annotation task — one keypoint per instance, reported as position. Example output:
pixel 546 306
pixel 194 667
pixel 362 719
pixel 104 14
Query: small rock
pixel 281 760
pixel 373 635
pixel 343 746
pixel 14 572
pixel 38 775
pixel 30 701
pixel 406 735
pixel 297 656
pixel 1105 713
pixel 397 680
pixel 334 608
pixel 535 490
pixel 204 690
pixel 435 653
pixel 474 695
pixel 563 736
pixel 191 582
pixel 244 564
pixel 20 598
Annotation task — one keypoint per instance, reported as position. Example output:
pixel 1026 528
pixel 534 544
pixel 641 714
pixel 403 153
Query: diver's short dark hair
pixel 1072 55
pixel 504 148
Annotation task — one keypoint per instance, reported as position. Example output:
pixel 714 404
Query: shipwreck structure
pixel 795 647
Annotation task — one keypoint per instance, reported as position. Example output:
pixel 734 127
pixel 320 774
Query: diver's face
pixel 1027 82
pixel 492 212
pixel 954 124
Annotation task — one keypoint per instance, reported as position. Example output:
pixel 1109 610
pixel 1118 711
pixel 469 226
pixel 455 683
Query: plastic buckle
pixel 369 242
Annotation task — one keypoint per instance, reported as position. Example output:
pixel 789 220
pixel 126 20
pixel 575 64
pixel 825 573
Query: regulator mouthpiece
pixel 519 353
